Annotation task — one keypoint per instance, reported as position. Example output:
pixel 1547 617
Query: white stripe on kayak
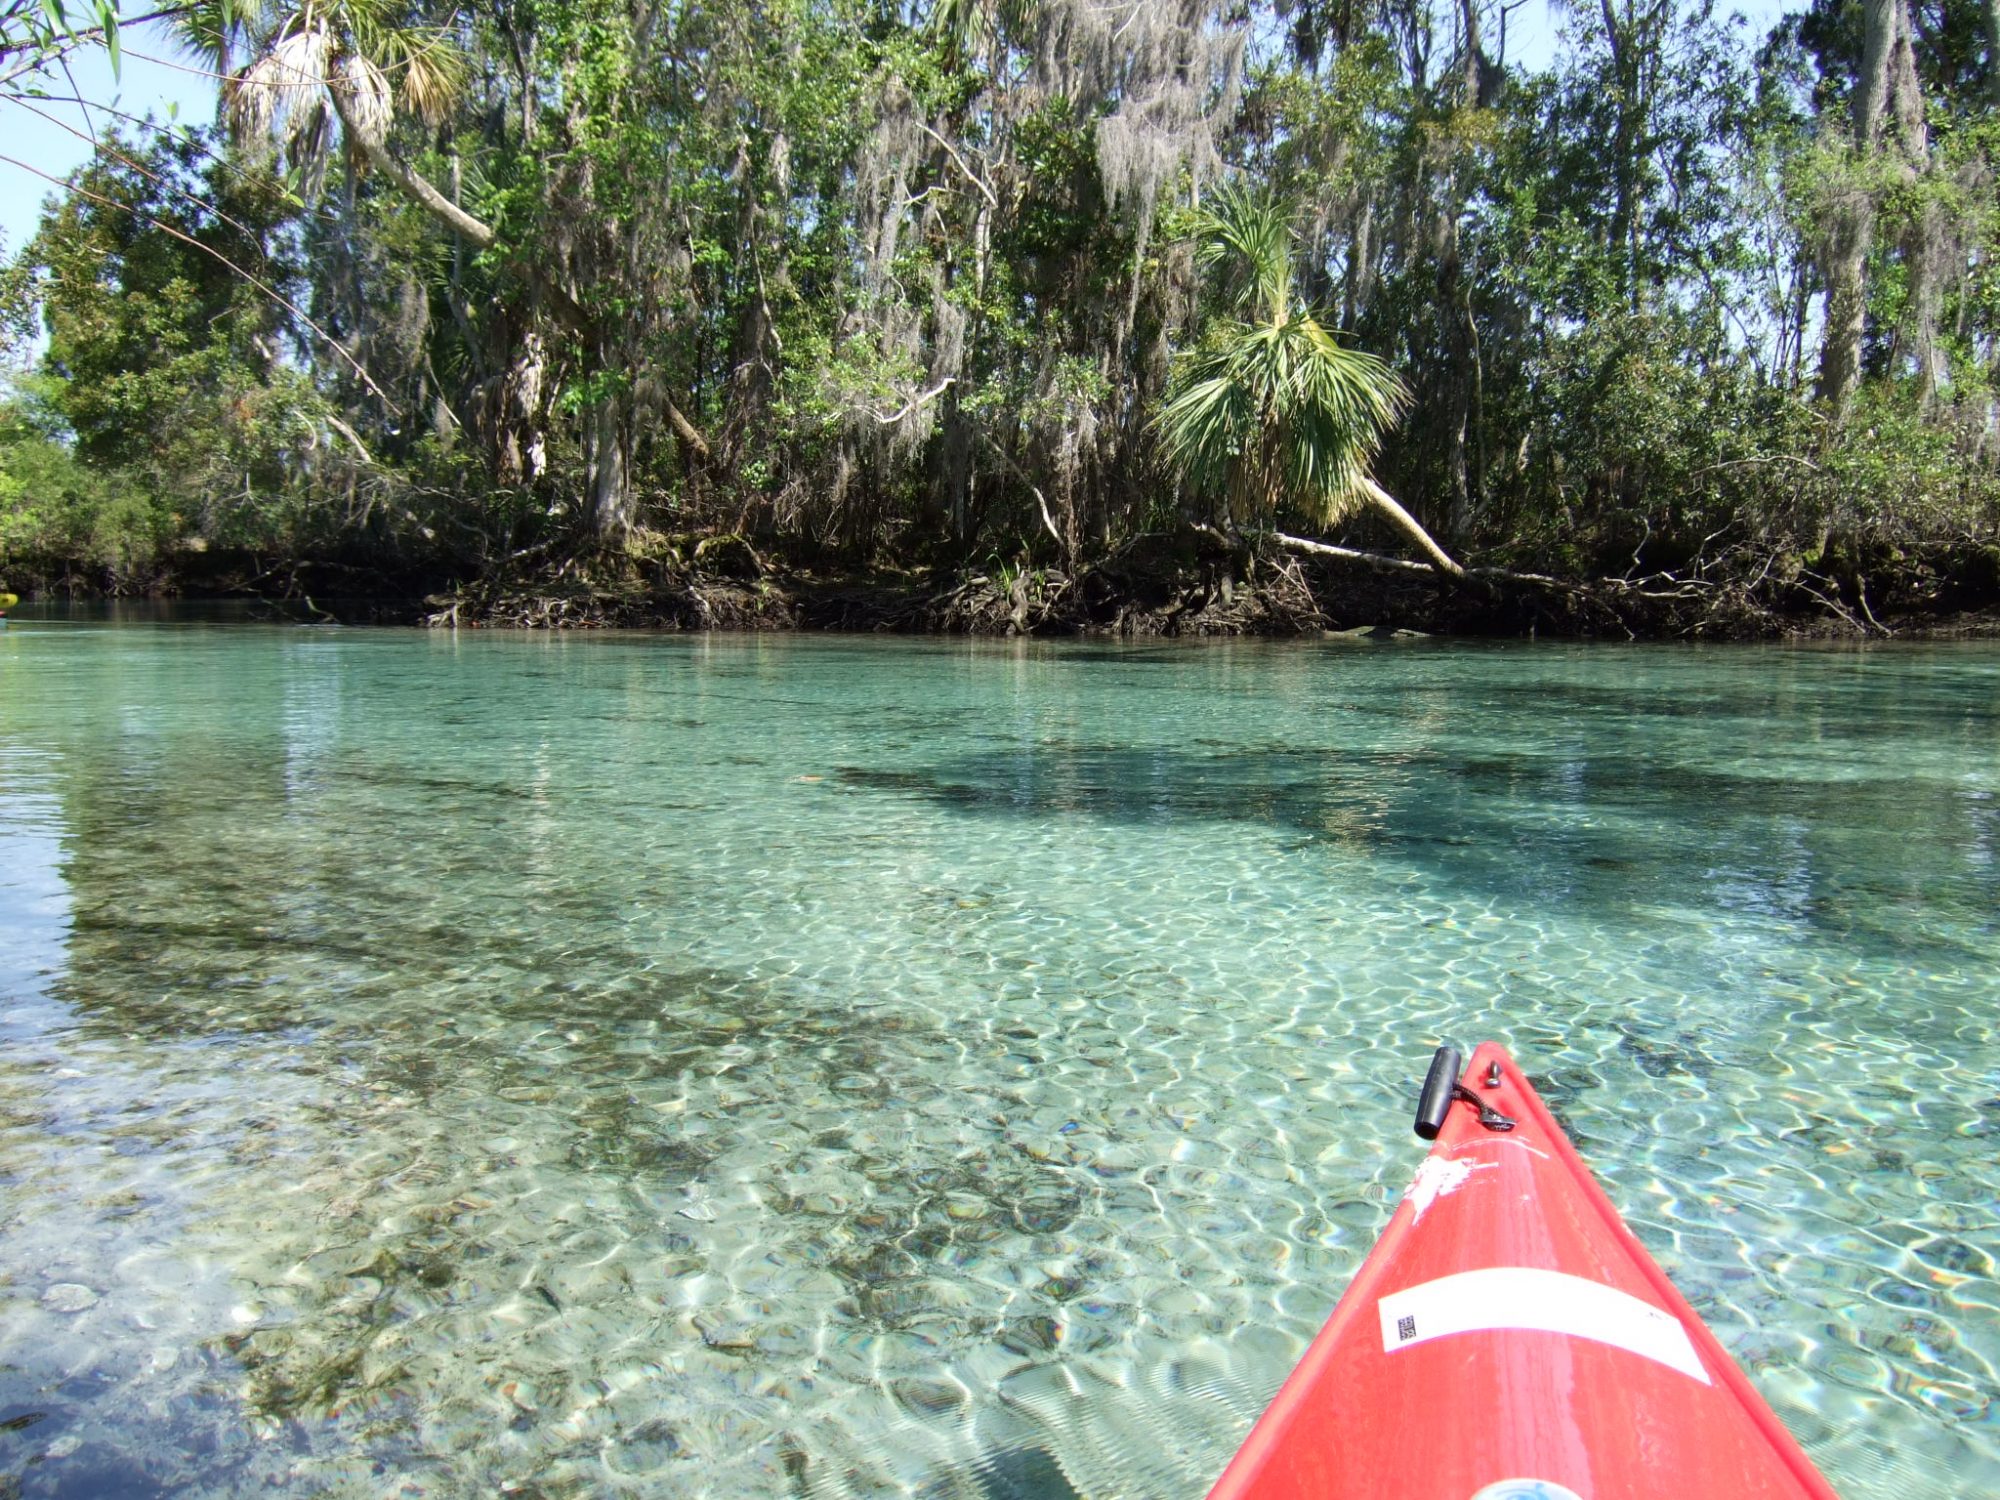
pixel 1521 1297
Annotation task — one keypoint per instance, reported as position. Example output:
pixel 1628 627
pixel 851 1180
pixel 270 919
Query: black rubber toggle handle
pixel 1434 1103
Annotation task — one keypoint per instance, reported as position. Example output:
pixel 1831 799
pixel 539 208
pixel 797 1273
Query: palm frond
pixel 281 98
pixel 427 69
pixel 210 32
pixel 1270 415
pixel 1204 427
pixel 1246 232
pixel 365 92
pixel 365 49
pixel 276 93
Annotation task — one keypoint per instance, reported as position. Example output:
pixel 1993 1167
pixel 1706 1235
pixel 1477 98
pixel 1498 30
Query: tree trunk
pixel 685 430
pixel 1993 52
pixel 517 411
pixel 1459 346
pixel 1886 90
pixel 1361 263
pixel 1849 229
pixel 1624 151
pixel 1410 526
pixel 1917 337
pixel 421 192
pixel 1468 12
pixel 1455 304
pixel 609 472
pixel 1851 223
pixel 1880 25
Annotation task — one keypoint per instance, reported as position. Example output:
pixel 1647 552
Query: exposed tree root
pixel 707 583
pixel 1193 581
pixel 1199 582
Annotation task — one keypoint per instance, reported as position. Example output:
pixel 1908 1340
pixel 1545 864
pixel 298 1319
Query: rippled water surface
pixel 559 1066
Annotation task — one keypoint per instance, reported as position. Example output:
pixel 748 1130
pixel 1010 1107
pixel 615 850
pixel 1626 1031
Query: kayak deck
pixel 1509 1338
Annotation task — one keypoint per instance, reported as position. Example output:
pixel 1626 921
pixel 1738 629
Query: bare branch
pixel 953 154
pixel 1349 554
pixel 1034 489
pixel 352 437
pixel 1763 458
pixel 915 403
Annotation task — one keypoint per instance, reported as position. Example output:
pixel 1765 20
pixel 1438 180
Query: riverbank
pixel 1195 582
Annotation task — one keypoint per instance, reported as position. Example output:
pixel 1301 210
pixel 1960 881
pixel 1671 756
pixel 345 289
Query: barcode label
pixel 1406 1328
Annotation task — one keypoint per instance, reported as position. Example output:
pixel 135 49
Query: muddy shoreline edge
pixel 1160 586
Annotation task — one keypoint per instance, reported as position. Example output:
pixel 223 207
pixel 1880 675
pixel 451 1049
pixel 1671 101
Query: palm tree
pixel 317 62
pixel 321 69
pixel 1272 411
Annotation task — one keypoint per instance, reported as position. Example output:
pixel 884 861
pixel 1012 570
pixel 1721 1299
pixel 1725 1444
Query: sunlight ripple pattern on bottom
pixel 562 1067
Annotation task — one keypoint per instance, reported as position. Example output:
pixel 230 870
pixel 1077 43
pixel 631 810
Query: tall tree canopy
pixel 938 282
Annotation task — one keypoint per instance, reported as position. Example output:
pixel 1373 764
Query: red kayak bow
pixel 1509 1339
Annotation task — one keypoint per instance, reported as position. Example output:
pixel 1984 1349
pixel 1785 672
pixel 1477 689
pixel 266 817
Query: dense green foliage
pixel 468 286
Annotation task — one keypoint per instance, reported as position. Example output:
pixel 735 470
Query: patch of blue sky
pixel 48 137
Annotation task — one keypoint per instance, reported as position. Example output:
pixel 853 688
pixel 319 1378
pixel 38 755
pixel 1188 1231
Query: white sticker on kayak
pixel 1521 1297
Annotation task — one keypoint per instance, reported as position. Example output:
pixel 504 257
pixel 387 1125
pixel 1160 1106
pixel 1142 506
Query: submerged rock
pixel 1376 633
pixel 69 1297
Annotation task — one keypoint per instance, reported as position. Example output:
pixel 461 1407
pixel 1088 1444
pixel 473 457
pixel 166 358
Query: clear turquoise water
pixel 589 1066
